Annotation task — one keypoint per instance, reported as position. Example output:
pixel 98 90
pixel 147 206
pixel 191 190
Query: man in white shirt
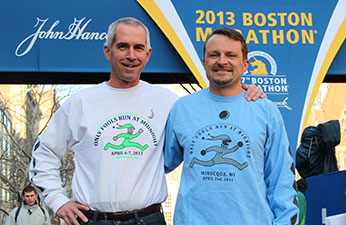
pixel 116 130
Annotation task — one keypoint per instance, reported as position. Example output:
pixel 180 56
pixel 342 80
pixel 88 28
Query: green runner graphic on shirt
pixel 127 137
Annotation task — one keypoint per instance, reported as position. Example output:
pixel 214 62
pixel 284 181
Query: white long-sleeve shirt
pixel 117 136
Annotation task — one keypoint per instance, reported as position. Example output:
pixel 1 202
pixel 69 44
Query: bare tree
pixel 25 111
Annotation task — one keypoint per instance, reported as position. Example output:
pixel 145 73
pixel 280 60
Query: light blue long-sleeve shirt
pixel 238 168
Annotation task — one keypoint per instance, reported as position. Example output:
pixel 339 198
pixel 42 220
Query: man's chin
pixel 130 77
pixel 222 82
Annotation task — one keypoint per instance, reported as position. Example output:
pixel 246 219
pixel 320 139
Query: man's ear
pixel 107 53
pixel 246 65
pixel 150 50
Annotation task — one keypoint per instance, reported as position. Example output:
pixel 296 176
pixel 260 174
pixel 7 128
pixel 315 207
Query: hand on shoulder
pixel 253 92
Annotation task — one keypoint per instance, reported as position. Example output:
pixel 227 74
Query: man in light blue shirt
pixel 238 168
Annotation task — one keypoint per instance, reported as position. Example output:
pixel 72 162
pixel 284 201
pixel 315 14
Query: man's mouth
pixel 130 65
pixel 222 70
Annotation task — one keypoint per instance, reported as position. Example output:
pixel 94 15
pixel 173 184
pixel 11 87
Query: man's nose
pixel 131 54
pixel 222 59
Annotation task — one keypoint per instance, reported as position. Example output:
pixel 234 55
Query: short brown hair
pixel 231 33
pixel 28 188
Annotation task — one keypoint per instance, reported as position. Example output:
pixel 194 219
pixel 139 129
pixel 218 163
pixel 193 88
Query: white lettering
pixel 283 104
pixel 33 38
pixel 76 31
pixel 269 80
pixel 275 88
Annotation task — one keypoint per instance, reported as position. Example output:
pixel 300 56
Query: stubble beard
pixel 222 82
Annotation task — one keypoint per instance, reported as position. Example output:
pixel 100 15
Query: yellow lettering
pixel 220 15
pixel 239 31
pixel 275 19
pixel 282 18
pixel 199 20
pixel 295 38
pixel 308 36
pixel 210 17
pixel 306 19
pixel 230 18
pixel 258 17
pixel 293 19
pixel 264 36
pixel 277 36
pixel 202 35
pixel 247 19
pixel 272 20
pixel 251 36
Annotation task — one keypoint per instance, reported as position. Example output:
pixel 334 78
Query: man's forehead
pixel 130 33
pixel 214 43
pixel 30 193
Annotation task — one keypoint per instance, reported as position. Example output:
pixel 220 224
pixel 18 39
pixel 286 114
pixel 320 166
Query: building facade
pixel 24 112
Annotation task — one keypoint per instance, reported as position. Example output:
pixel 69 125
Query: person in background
pixel 238 168
pixel 30 213
pixel 302 186
pixel 116 130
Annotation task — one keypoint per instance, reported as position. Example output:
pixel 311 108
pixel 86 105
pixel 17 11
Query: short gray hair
pixel 129 21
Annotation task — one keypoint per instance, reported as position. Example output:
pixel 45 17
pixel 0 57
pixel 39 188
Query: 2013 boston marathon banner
pixel 291 43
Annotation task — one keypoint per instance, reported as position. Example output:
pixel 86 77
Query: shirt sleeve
pixel 49 149
pixel 10 218
pixel 279 173
pixel 173 152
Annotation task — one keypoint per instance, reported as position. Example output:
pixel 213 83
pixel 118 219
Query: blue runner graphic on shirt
pixel 221 151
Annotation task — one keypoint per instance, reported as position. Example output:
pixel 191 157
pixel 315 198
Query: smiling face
pixel 128 55
pixel 224 65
